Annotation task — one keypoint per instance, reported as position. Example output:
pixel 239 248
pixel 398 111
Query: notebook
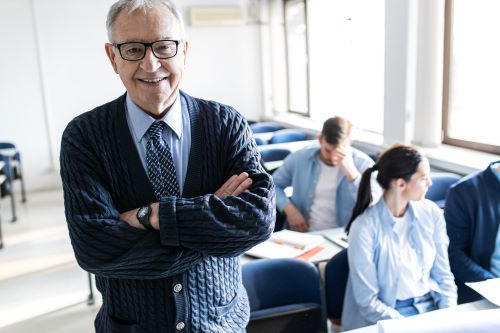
pixel 340 241
pixel 286 244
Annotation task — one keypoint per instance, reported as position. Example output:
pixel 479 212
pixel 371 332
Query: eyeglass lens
pixel 163 49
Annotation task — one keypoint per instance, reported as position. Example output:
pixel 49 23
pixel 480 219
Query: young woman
pixel 398 248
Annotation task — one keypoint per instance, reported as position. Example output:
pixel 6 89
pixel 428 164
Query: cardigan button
pixel 180 326
pixel 178 288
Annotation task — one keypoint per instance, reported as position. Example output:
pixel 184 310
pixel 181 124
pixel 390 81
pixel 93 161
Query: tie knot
pixel 155 130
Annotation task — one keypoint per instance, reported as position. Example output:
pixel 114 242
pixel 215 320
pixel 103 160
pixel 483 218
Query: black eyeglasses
pixel 162 49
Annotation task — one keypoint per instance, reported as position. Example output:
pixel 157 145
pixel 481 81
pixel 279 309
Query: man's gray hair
pixel 133 5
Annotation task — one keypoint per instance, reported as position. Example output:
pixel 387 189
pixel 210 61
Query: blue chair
pixel 274 154
pixel 287 135
pixel 374 156
pixel 441 182
pixel 260 141
pixel 336 274
pixel 265 127
pixel 284 295
pixel 13 169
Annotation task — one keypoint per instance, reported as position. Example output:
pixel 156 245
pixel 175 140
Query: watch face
pixel 143 212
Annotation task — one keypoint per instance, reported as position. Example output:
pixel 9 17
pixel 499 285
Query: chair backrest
pixel 287 135
pixel 336 273
pixel 374 155
pixel 441 182
pixel 274 154
pixel 265 127
pixel 7 145
pixel 260 141
pixel 284 295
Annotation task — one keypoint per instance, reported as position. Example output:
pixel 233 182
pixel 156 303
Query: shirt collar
pixel 141 120
pixel 387 215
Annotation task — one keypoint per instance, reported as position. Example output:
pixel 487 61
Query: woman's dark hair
pixel 398 161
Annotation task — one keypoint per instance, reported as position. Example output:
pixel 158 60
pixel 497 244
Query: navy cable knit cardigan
pixel 187 276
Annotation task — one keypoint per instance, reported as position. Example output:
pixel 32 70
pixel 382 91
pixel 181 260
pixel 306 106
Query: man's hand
pixel 235 185
pixel 295 219
pixel 346 163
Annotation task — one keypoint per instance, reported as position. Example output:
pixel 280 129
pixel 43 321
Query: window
pixel 296 51
pixel 471 115
pixel 342 49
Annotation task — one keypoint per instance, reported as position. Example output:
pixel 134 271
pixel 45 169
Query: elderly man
pixel 163 191
pixel 324 178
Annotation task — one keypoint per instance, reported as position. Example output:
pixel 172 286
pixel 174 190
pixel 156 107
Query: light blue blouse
pixel 374 262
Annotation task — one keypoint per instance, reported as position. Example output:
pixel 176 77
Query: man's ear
pixel 185 51
pixel 111 55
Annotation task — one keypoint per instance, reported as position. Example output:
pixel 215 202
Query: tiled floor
pixel 42 288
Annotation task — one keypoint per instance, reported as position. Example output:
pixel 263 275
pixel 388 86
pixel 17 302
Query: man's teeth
pixel 152 81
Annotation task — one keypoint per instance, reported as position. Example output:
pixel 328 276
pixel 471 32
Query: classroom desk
pixel 460 310
pixel 329 248
pixel 292 146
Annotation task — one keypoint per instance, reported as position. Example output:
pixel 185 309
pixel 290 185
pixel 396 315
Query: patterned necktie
pixel 161 168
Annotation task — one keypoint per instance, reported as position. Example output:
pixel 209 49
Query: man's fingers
pixel 222 190
pixel 245 185
pixel 235 183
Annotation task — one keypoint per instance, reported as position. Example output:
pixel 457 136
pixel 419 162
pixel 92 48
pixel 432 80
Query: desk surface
pixel 460 309
pixel 329 248
pixel 292 146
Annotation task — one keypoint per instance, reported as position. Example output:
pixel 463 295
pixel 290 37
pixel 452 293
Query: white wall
pixel 41 90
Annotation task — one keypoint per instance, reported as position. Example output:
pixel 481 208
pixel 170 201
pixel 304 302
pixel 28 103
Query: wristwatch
pixel 143 215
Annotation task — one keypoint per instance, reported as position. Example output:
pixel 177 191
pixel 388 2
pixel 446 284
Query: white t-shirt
pixel 411 282
pixel 322 214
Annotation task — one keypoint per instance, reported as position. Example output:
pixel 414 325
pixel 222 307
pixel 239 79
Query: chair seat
pixel 284 310
pixel 296 318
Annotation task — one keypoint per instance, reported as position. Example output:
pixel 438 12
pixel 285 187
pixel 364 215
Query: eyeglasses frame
pixel 150 45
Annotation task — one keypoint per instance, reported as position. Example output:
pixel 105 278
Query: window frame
pixel 307 112
pixel 448 29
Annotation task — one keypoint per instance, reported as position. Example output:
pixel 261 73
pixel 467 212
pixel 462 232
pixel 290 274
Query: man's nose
pixel 150 63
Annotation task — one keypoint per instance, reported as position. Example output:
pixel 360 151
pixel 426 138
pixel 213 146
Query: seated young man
pixel 472 216
pixel 325 180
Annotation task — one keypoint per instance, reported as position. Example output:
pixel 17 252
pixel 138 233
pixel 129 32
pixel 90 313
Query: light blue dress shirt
pixel 495 258
pixel 374 262
pixel 177 133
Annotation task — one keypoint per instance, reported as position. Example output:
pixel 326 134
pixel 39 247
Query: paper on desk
pixel 272 250
pixel 489 289
pixel 484 321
